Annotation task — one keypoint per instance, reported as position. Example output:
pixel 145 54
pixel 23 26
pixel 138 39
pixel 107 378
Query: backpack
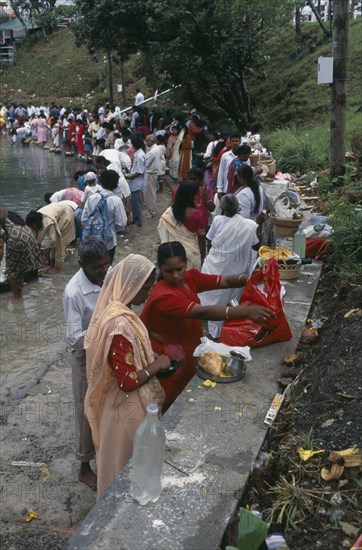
pixel 96 225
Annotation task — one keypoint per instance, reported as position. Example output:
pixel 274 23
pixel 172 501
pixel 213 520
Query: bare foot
pixel 89 478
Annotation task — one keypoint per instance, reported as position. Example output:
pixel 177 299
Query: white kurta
pixel 231 254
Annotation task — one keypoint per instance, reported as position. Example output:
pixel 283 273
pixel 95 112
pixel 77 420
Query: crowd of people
pixel 209 237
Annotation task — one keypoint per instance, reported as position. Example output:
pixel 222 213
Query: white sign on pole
pixel 119 88
pixel 325 70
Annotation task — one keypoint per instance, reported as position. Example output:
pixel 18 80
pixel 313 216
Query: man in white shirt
pixel 117 219
pixel 139 97
pixel 112 160
pixel 79 300
pixel 153 168
pixel 226 160
pixel 123 143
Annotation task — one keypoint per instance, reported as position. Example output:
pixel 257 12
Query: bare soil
pixel 323 411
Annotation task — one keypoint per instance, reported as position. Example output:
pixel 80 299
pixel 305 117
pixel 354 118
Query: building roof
pixel 11 23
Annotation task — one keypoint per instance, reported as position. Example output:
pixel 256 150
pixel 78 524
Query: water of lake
pixel 32 329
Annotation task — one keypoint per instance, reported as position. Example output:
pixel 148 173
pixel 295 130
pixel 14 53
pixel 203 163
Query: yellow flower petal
pixel 192 400
pixel 351 312
pixel 31 515
pixel 46 473
pixel 307 454
pixel 209 384
pixel 350 451
pixel 188 391
pixel 217 408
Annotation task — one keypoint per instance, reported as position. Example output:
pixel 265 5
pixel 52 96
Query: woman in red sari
pixel 218 151
pixel 173 314
pixel 79 133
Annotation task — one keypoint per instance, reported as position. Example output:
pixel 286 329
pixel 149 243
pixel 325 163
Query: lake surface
pixel 26 173
pixel 32 329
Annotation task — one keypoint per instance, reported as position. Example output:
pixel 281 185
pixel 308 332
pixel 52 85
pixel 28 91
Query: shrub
pixel 295 151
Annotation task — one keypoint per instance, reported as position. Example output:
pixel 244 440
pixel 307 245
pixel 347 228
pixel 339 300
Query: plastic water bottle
pixel 147 459
pixel 299 243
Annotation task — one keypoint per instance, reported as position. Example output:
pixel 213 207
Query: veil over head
pixel 112 317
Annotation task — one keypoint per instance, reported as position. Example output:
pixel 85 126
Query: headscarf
pixel 110 317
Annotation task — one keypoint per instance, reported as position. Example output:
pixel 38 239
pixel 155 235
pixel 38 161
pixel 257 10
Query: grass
pixel 56 69
pixel 343 204
pixel 285 90
pixel 290 503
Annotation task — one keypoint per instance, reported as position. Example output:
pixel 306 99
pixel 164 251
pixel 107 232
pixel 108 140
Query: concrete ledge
pixel 212 442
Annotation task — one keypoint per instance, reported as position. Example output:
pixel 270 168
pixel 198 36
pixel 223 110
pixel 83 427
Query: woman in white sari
pixel 173 151
pixel 184 223
pixel 232 238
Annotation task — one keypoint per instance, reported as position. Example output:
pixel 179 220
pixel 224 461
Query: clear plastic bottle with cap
pixel 299 242
pixel 148 456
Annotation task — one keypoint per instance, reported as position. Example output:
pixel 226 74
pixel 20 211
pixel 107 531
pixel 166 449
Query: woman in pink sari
pixel 41 129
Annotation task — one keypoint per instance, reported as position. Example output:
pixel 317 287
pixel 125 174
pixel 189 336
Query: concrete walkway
pixel 213 437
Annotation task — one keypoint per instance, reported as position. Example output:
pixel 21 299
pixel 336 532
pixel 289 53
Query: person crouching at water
pixel 79 300
pixel 56 223
pixel 22 253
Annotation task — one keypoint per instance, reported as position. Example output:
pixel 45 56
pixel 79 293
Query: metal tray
pixel 227 380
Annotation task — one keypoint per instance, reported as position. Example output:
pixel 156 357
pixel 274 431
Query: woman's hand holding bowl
pixel 163 362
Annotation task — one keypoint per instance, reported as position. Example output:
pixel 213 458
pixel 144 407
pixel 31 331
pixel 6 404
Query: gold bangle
pixel 146 371
pixel 227 313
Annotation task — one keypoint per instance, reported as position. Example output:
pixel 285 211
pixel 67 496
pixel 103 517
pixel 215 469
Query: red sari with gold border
pixel 166 316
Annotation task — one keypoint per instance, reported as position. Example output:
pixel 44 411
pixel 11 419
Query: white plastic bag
pixel 221 349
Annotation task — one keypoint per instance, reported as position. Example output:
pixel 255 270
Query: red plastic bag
pixel 263 289
pixel 317 248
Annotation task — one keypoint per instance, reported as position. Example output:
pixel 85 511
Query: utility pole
pixel 123 82
pixel 339 88
pixel 110 76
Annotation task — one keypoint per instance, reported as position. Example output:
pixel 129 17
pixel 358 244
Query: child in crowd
pixel 91 187
pixel 87 138
pixel 56 136
pixel 160 141
pixel 13 136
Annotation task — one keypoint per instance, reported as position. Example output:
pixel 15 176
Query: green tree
pixel 212 48
pixel 115 28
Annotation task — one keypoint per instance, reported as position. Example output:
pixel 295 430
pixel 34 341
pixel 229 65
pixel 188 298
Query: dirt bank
pixel 324 412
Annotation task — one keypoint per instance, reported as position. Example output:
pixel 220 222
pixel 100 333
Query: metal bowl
pixel 235 365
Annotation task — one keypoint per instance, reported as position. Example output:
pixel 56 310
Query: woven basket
pixel 285 228
pixel 288 271
pixel 285 271
pixel 254 159
pixel 269 162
